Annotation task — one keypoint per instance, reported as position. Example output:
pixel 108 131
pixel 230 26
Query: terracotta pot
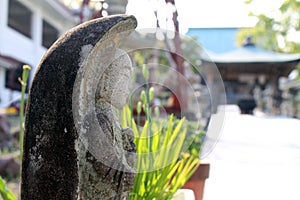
pixel 197 181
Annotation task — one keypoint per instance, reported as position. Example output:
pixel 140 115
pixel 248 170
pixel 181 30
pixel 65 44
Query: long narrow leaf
pixel 170 154
pixel 176 130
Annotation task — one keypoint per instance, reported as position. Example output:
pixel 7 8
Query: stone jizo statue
pixel 74 147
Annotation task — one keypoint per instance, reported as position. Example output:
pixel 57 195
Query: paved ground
pixel 256 158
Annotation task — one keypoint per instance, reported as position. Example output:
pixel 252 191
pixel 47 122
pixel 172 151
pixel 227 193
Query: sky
pixel 201 13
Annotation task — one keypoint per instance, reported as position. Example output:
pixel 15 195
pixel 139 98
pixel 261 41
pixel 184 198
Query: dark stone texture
pixel 49 168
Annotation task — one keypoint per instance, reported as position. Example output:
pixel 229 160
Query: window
pixel 50 34
pixel 12 78
pixel 19 17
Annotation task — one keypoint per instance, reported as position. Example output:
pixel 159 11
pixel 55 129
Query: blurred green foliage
pixel 273 33
pixel 6 194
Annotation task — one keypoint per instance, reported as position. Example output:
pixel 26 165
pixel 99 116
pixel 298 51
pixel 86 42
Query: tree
pixel 276 32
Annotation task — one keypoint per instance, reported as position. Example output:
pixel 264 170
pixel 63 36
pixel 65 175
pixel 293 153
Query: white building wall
pixel 3 18
pixel 20 47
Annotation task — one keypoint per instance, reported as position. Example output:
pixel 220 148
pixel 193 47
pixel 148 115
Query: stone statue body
pixel 66 155
pixel 114 178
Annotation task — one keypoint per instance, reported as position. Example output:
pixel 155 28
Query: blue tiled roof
pixel 216 40
pixel 251 53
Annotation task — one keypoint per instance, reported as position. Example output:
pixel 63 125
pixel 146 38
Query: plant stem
pixel 147 102
pixel 148 117
pixel 139 120
pixel 26 69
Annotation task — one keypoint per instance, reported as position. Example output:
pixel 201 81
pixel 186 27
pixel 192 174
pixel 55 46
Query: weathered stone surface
pixel 104 148
pixel 51 167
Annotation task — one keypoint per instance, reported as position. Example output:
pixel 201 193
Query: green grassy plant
pixel 163 167
pixel 164 163
pixel 6 194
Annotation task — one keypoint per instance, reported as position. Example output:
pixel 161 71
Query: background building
pixel 249 74
pixel 28 29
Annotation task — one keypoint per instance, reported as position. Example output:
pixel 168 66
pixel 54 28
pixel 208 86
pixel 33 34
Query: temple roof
pixel 252 59
pixel 250 53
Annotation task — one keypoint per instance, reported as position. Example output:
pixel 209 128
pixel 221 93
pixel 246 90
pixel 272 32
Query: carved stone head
pixel 114 85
